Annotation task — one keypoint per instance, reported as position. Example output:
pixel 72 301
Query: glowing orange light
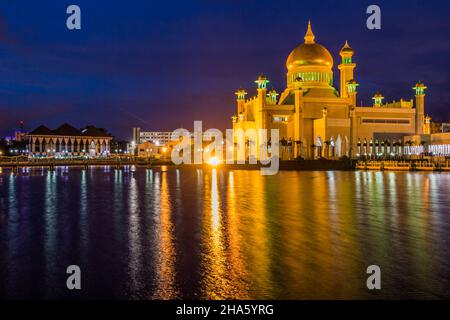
pixel 214 161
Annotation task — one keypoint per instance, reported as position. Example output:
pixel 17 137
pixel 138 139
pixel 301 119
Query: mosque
pixel 315 120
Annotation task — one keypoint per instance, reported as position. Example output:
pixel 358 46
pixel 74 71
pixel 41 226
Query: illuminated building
pixel 159 138
pixel 67 140
pixel 315 120
pixel 155 137
pixel 147 149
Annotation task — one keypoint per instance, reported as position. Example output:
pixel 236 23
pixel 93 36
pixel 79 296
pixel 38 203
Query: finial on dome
pixel 346 50
pixel 309 36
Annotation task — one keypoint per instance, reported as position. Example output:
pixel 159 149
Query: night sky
pixel 160 65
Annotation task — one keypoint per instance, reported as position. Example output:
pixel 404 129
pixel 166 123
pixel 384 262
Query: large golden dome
pixel 309 53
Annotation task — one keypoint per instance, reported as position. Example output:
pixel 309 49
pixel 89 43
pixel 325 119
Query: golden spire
pixel 346 50
pixel 309 36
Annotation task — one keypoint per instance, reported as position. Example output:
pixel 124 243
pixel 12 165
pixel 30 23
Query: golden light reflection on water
pixel 214 282
pixel 256 235
pixel 51 211
pixel 134 234
pixel 84 226
pixel 166 258
pixel 237 272
pixel 223 234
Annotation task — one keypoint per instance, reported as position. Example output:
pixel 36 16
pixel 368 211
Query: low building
pixel 160 138
pixel 148 149
pixel 67 140
pixel 155 137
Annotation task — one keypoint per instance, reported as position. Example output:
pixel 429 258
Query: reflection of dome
pixel 309 53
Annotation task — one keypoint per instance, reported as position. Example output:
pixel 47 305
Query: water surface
pixel 165 233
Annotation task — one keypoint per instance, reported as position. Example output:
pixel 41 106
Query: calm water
pixel 166 233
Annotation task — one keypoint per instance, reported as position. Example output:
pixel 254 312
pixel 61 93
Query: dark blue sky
pixel 160 65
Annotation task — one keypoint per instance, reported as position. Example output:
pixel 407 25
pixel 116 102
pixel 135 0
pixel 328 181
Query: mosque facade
pixel 315 120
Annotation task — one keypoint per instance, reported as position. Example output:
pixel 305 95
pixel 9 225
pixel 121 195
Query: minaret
pixel 272 96
pixel 352 91
pixel 346 68
pixel 420 106
pixel 261 103
pixel 241 93
pixel 377 99
pixel 262 82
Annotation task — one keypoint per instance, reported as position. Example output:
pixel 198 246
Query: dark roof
pixel 42 130
pixel 92 131
pixel 67 130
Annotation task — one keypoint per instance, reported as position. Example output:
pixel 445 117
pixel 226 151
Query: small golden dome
pixel 262 77
pixel 309 53
pixel 346 49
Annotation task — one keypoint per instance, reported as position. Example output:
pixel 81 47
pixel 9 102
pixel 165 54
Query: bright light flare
pixel 214 161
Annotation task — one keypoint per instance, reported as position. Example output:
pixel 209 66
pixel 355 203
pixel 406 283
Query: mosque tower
pixel 346 68
pixel 419 89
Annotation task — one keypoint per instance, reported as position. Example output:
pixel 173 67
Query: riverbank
pixel 393 165
pixel 313 165
pixel 284 165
